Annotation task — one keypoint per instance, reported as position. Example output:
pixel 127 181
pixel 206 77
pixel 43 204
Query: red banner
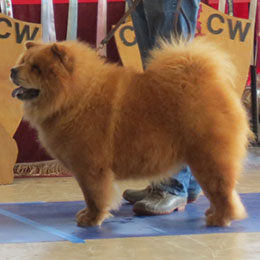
pixel 37 2
pixel 235 1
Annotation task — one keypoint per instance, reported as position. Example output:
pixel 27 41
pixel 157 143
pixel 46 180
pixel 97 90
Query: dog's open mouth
pixel 25 93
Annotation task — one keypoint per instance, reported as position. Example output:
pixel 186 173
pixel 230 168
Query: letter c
pixel 122 35
pixel 9 24
pixel 209 23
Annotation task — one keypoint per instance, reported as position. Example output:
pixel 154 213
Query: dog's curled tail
pixel 182 52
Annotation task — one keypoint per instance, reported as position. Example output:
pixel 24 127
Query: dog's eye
pixel 36 68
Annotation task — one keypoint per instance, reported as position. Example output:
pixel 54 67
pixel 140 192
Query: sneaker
pixel 134 196
pixel 159 202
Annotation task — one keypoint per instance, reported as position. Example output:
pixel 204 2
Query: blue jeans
pixel 183 184
pixel 152 19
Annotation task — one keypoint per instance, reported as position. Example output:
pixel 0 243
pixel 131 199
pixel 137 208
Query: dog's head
pixel 41 71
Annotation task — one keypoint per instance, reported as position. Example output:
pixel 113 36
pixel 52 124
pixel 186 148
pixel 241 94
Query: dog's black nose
pixel 14 72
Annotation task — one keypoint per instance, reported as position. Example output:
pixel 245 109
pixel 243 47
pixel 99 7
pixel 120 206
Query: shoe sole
pixel 149 213
pixel 134 201
pixel 130 201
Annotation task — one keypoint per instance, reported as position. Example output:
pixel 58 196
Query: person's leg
pixel 183 184
pixel 167 196
pixel 141 29
pixel 173 194
pixel 153 18
pixel 159 16
pixel 190 8
pixel 194 190
pixel 177 184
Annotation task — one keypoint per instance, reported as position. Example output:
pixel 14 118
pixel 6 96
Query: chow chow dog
pixel 105 122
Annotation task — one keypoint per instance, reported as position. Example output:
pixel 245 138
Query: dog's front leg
pixel 97 187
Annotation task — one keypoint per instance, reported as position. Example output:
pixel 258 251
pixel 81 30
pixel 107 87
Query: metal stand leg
pixel 254 107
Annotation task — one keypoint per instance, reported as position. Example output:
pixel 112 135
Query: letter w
pixel 25 33
pixel 238 27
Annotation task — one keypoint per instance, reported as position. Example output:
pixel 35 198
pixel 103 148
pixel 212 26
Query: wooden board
pixel 127 46
pixel 13 34
pixel 8 155
pixel 235 35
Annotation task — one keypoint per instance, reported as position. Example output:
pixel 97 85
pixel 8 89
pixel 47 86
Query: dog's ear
pixel 30 44
pixel 61 53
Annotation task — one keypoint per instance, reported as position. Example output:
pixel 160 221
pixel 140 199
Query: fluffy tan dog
pixel 105 122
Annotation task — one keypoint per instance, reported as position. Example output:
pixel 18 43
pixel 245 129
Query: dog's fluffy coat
pixel 105 122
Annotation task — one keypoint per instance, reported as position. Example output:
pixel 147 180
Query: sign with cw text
pixel 13 34
pixel 235 35
pixel 127 46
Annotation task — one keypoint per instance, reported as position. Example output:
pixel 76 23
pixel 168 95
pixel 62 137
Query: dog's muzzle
pixel 21 92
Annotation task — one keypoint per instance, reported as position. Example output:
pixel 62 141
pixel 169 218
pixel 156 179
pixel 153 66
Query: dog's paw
pixel 88 218
pixel 85 218
pixel 81 212
pixel 217 221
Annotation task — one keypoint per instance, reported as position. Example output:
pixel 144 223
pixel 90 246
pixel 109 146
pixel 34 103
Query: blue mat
pixel 42 221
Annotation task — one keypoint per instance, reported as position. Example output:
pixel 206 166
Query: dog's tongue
pixel 17 91
pixel 25 93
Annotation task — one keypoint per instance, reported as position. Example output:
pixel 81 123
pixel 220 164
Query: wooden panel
pixel 127 46
pixel 233 34
pixel 13 34
pixel 8 155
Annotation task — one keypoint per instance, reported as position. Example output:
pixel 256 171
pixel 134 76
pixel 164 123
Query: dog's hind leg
pixel 99 193
pixel 218 179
